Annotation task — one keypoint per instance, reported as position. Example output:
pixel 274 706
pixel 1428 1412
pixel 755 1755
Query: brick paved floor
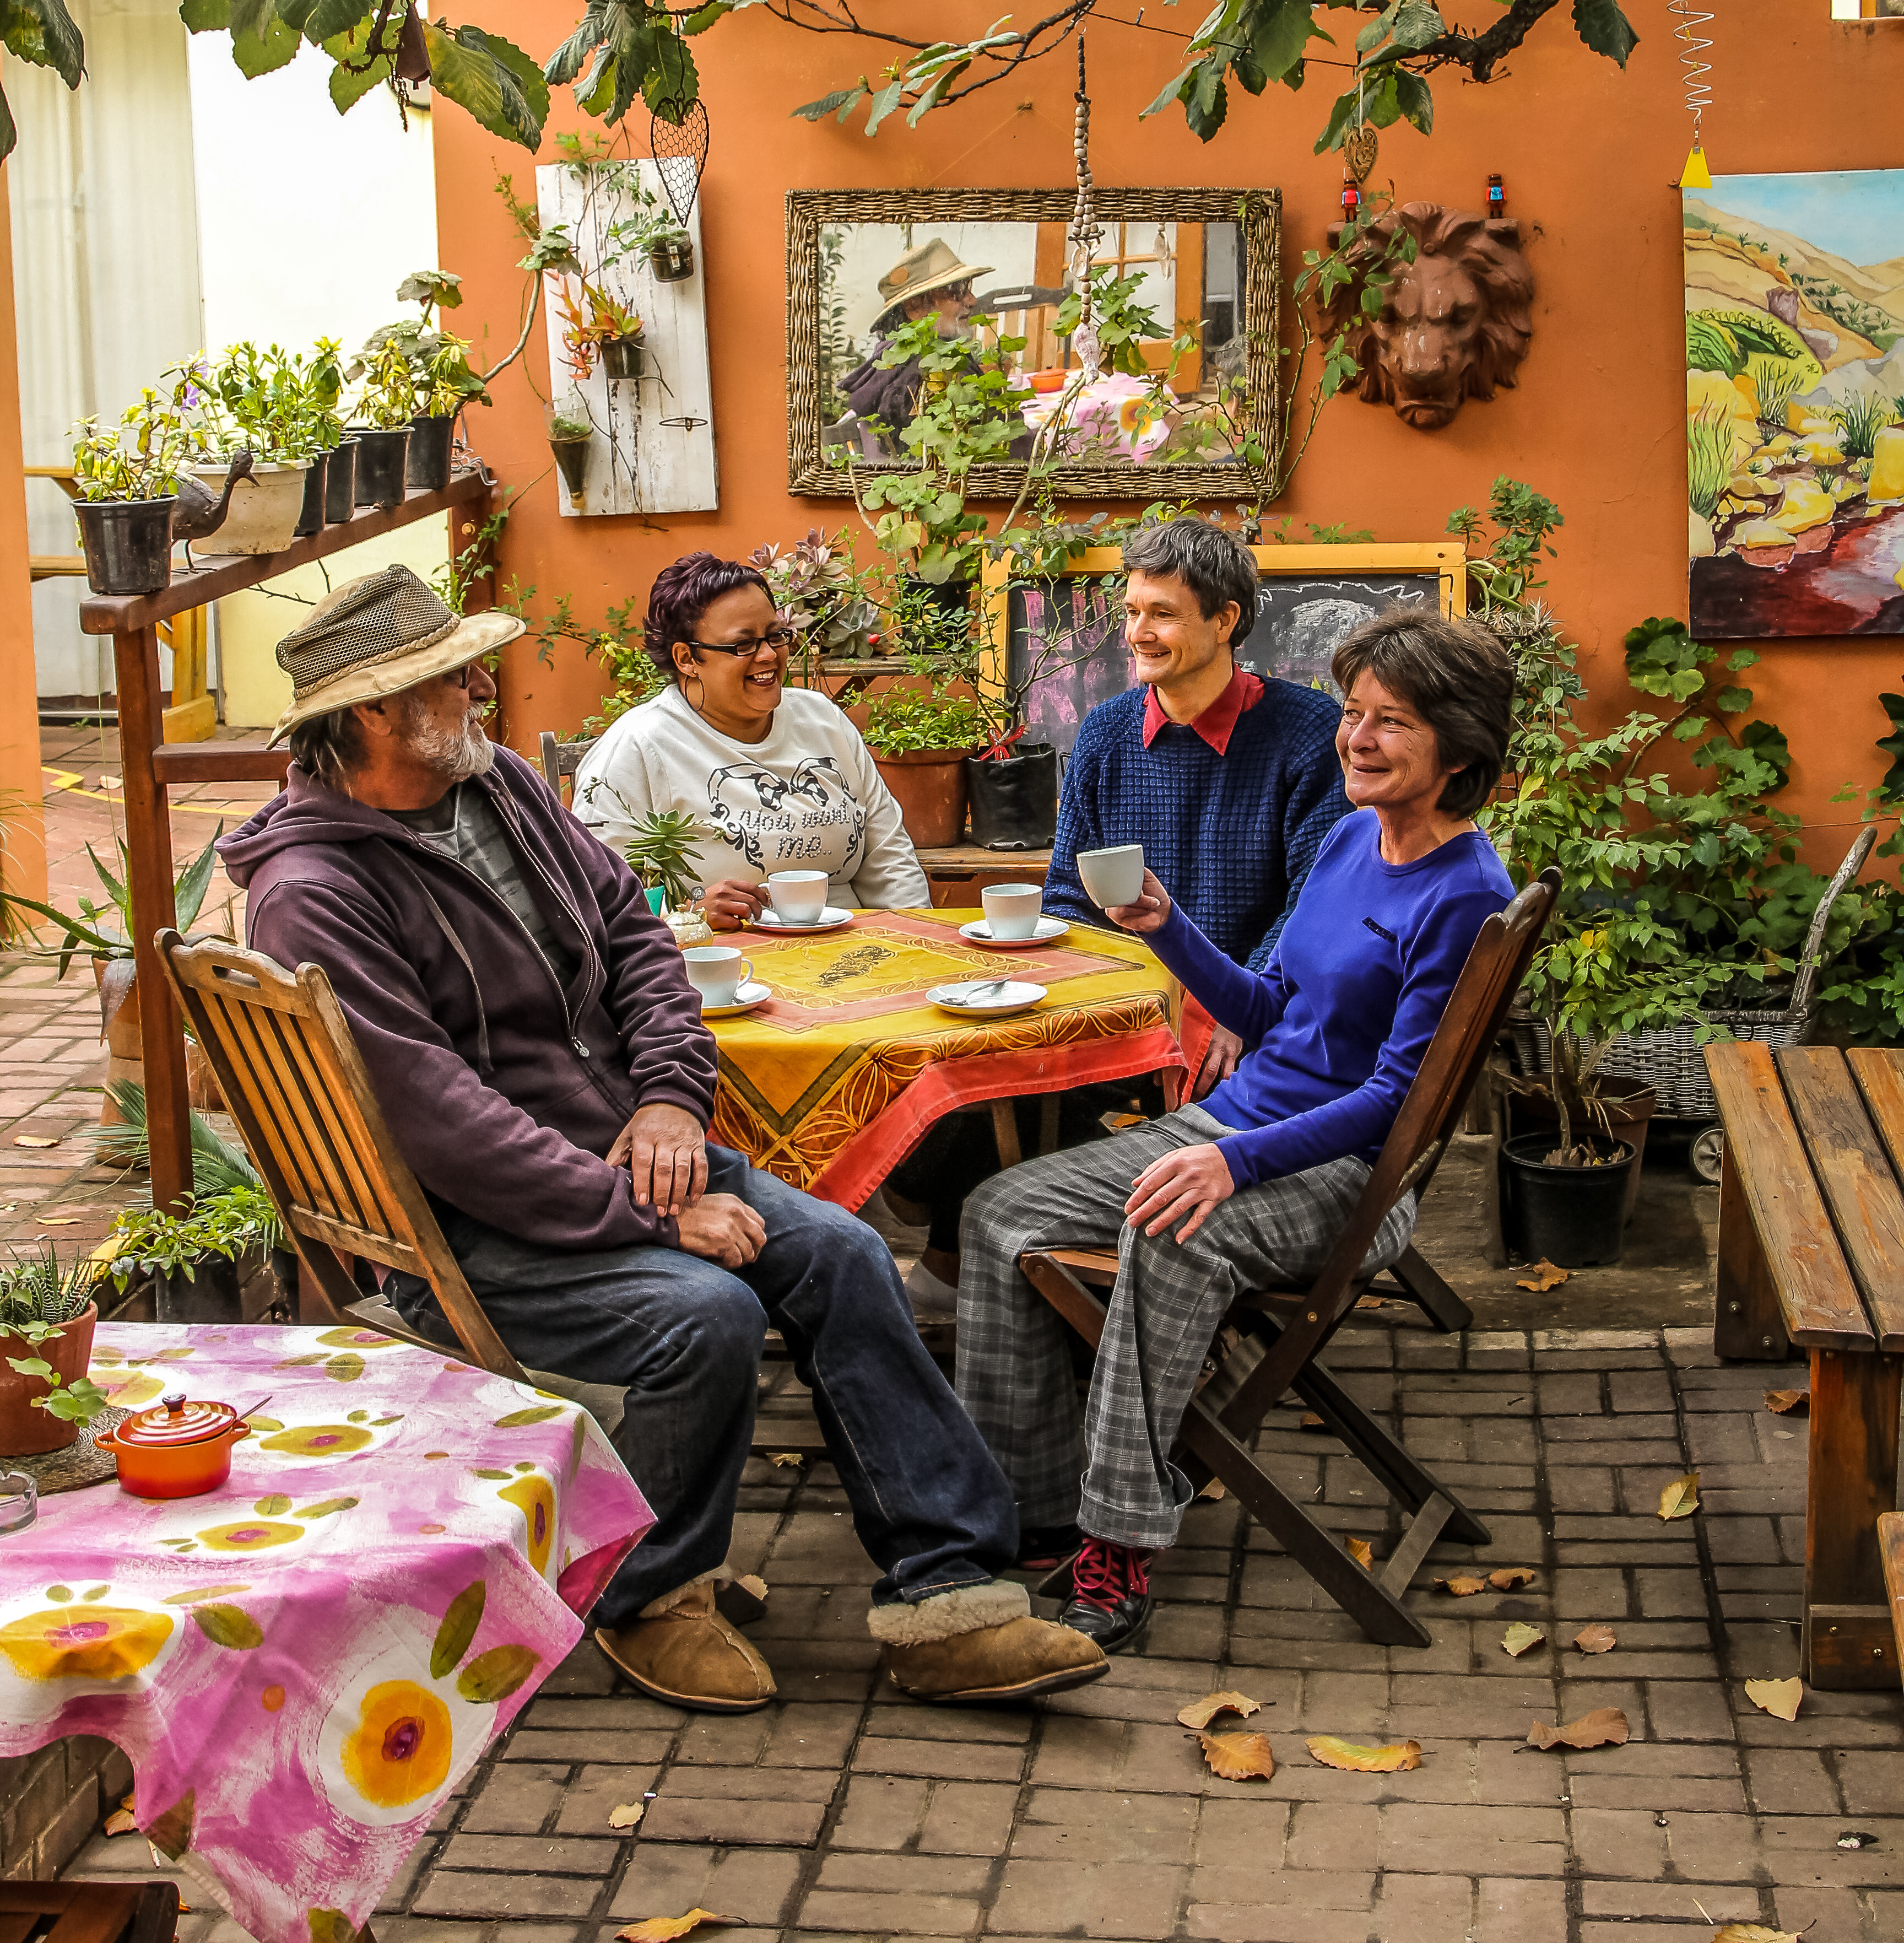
pixel 844 1811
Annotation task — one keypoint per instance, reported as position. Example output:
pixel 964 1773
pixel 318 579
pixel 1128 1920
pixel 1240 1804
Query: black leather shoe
pixel 1109 1596
pixel 1047 1549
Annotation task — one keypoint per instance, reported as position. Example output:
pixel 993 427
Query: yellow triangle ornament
pixel 1696 174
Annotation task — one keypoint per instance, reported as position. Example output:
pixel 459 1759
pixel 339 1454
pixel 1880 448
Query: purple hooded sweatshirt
pixel 501 1090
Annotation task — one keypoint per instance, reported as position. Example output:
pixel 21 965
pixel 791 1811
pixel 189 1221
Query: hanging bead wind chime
pixel 1085 233
pixel 1699 90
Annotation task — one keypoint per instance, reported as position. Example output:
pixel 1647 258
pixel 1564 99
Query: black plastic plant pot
pixel 380 461
pixel 1573 1217
pixel 316 484
pixel 949 596
pixel 428 463
pixel 340 482
pixel 572 460
pixel 672 260
pixel 211 1294
pixel 127 544
pixel 1014 800
pixel 621 357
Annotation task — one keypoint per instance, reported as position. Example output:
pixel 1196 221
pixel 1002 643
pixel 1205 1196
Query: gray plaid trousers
pixel 1014 1360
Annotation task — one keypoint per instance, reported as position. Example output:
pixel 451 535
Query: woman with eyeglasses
pixel 778 775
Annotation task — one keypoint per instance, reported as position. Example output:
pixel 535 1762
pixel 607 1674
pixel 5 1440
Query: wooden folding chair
pixel 564 759
pixel 88 1912
pixel 294 1081
pixel 1282 1331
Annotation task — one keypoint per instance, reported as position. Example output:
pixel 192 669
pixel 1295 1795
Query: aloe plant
pixel 105 930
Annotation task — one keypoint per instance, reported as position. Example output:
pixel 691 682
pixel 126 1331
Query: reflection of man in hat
pixel 929 282
pixel 541 1061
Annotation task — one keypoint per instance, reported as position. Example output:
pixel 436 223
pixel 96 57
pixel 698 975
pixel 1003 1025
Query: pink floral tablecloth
pixel 302 1666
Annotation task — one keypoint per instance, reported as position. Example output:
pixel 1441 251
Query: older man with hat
pixel 928 281
pixel 539 1057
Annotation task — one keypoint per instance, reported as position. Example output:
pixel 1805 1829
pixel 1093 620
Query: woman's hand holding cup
pixel 733 902
pixel 1148 913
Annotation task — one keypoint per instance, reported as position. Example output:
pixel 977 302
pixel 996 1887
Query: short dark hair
pixel 1216 566
pixel 1460 679
pixel 682 594
pixel 329 746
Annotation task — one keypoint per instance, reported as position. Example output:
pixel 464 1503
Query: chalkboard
pixel 1073 628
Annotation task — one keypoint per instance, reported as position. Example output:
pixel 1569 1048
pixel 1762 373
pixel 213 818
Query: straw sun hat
pixel 376 636
pixel 932 266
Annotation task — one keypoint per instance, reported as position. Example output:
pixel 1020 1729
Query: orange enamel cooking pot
pixel 177 1449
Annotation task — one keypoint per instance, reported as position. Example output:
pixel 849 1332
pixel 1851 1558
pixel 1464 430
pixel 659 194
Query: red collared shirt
pixel 1217 721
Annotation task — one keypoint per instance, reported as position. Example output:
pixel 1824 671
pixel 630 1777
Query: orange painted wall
pixel 1588 154
pixel 23 867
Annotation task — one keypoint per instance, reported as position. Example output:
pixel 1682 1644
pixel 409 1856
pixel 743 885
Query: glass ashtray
pixel 19 1501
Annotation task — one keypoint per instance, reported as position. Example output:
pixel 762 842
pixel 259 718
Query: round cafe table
pixel 833 1080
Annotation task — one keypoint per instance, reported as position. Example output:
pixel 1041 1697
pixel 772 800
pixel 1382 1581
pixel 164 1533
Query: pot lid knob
pixel 175 1399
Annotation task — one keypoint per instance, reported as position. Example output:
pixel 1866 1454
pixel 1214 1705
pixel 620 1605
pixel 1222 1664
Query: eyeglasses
pixel 775 638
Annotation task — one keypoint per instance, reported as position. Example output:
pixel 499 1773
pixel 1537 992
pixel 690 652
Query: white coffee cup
pixel 717 972
pixel 799 896
pixel 1115 876
pixel 1012 910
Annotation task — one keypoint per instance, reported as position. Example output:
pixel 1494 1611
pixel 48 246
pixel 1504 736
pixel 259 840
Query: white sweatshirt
pixel 808 798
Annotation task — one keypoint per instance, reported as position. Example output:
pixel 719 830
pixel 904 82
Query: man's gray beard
pixel 455 755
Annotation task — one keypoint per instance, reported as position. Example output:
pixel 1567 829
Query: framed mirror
pixel 1200 265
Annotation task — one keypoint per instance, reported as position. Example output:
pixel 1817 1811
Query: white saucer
pixel 1013 996
pixel 980 932
pixel 752 993
pixel 831 919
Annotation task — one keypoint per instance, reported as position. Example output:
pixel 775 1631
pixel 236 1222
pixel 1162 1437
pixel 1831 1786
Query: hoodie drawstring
pixel 483 1065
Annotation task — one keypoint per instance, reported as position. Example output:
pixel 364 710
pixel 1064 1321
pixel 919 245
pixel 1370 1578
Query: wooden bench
pixel 88 1912
pixel 1811 1256
pixel 1890 1550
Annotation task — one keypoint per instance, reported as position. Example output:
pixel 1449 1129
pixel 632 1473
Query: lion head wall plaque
pixel 1453 324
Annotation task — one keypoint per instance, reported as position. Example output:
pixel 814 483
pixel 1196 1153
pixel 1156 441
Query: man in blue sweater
pixel 1230 782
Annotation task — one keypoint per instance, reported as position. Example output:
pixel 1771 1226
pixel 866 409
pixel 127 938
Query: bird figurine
pixel 197 514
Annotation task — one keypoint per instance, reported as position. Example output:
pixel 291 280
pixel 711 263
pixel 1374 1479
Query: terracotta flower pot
pixel 24 1431
pixel 929 786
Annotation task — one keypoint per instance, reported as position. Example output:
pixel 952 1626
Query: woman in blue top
pixel 1250 1189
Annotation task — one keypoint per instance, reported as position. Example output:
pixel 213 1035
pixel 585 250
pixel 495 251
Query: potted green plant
pixel 661 851
pixel 104 931
pixel 921 739
pixel 48 1312
pixel 386 403
pixel 572 436
pixel 671 253
pixel 318 378
pixel 127 482
pixel 821 593
pixel 196 1262
pixel 250 400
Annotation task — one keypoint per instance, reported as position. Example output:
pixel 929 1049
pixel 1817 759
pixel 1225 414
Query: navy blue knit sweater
pixel 1232 836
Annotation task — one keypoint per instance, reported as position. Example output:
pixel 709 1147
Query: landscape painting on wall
pixel 1795 403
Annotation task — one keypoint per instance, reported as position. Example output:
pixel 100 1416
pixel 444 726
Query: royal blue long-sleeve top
pixel 1342 1017
pixel 1233 833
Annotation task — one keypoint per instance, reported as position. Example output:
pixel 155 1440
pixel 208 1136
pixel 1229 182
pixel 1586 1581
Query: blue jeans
pixel 684 1335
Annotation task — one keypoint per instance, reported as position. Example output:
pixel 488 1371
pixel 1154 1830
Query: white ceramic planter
pixel 264 511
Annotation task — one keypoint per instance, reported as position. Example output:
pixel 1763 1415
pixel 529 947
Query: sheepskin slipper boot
pixel 979 1643
pixel 682 1651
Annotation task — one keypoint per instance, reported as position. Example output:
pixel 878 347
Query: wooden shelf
pixel 232 573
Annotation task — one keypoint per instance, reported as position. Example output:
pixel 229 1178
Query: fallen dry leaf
pixel 1680 1498
pixel 1520 1638
pixel 1755 1932
pixel 1310 1421
pixel 1372 1302
pixel 1785 1403
pixel 665 1929
pixel 626 1814
pixel 1362 1552
pixel 36 1140
pixel 1605 1728
pixel 1509 1577
pixel 1199 1713
pixel 119 1821
pixel 1332 1753
pixel 1596 1639
pixel 59 1220
pixel 1238 1757
pixel 110 782
pixel 1212 1490
pixel 1776 1696
pixel 1542 1276
pixel 780 1459
pixel 1463 1587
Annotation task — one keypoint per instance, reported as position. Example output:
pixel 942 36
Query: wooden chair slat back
pixel 296 1084
pixel 1469 1028
pixel 564 759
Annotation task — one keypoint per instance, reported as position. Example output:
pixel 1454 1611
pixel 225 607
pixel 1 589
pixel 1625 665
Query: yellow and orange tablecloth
pixel 832 1082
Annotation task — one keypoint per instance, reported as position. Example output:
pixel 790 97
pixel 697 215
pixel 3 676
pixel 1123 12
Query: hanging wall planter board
pixel 653 450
